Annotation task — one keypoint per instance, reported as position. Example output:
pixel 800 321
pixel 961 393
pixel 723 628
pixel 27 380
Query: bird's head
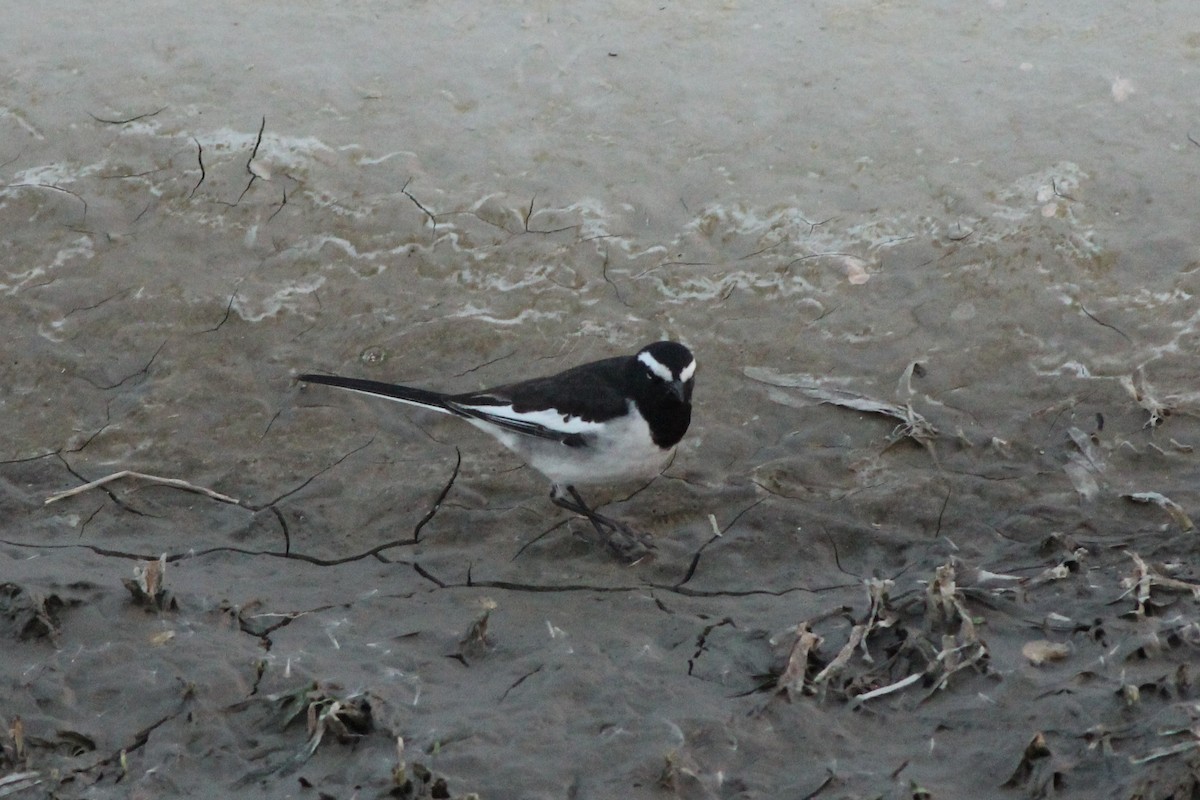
pixel 665 373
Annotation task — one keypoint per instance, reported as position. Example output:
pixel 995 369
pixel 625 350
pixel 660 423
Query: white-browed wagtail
pixel 606 421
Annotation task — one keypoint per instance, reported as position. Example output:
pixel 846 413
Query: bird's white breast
pixel 618 450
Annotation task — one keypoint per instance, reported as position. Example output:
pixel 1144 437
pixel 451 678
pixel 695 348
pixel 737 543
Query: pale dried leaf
pixel 1081 475
pixel 1042 651
pixel 1167 504
pixel 792 679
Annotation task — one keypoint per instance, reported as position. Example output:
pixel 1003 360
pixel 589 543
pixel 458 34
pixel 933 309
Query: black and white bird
pixel 602 422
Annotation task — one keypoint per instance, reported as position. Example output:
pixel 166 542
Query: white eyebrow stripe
pixel 688 371
pixel 654 365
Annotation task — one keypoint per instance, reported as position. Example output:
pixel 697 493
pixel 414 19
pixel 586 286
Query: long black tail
pixel 392 391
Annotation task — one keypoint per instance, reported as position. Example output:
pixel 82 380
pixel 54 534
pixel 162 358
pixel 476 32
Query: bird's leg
pixel 621 540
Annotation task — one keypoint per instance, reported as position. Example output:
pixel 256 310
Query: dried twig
pixel 127 473
pixel 903 683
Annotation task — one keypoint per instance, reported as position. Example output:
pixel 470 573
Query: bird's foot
pixel 623 542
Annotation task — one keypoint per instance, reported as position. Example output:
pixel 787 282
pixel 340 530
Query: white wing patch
pixel 622 450
pixel 548 418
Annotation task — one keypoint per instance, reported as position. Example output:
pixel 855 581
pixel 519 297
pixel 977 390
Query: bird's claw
pixel 621 541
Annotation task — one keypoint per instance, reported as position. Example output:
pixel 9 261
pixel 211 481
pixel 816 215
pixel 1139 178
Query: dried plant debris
pixel 65 742
pixel 1176 511
pixel 946 612
pixel 21 751
pixel 1085 466
pixel 1089 451
pixel 1042 651
pixel 345 718
pixel 418 782
pixel 683 776
pixel 146 586
pixel 912 424
pixel 973 577
pixel 1068 565
pixel 890 648
pixel 16 732
pixel 792 681
pixel 475 643
pixel 19 782
pixel 1036 772
pixel 1143 394
pixel 13 753
pixel 28 615
pixel 1190 744
pixel 1145 578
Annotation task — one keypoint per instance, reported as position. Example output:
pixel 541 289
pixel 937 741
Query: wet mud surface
pixel 929 536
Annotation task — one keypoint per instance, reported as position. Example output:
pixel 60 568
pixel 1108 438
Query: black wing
pixel 591 392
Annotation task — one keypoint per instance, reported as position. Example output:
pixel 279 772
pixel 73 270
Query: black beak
pixel 675 389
